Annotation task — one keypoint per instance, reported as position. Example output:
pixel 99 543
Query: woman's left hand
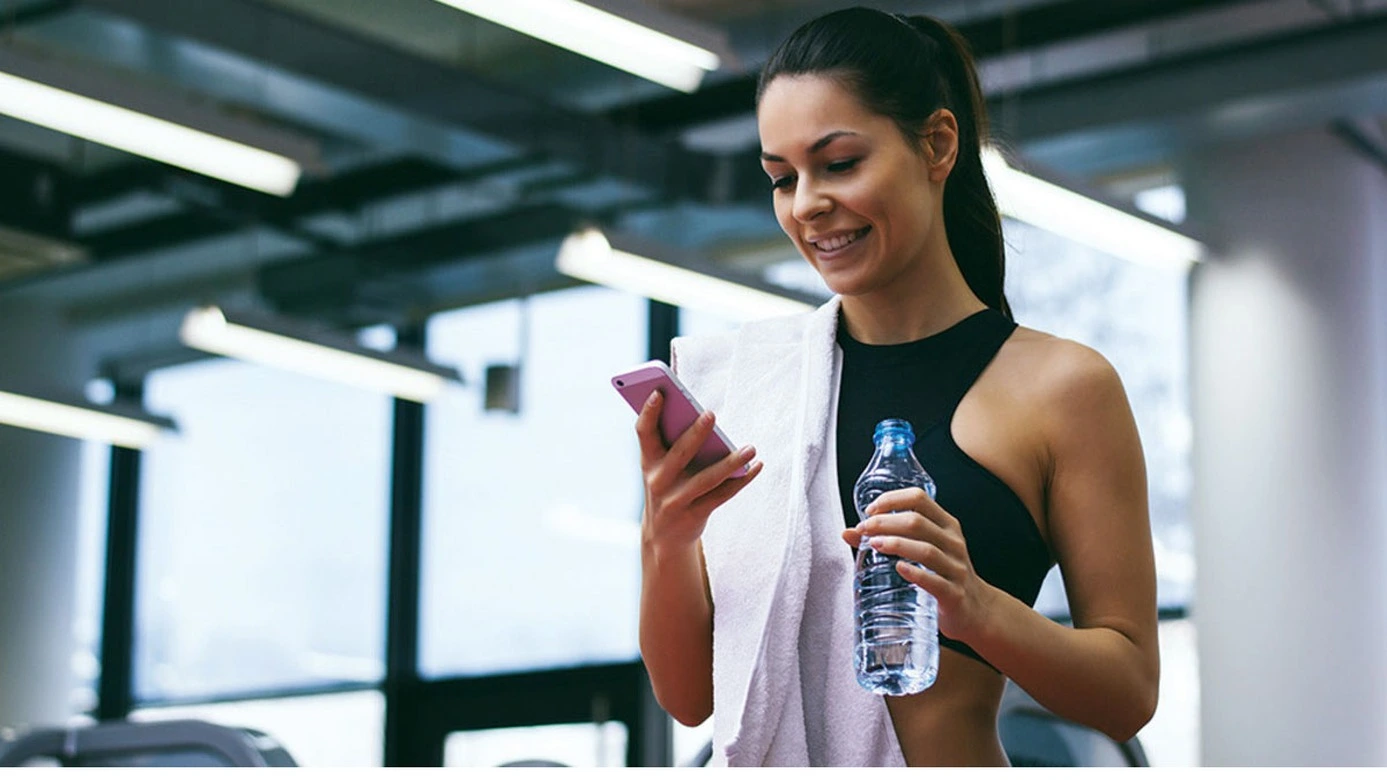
pixel 909 524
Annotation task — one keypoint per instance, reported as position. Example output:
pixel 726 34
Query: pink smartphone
pixel 679 412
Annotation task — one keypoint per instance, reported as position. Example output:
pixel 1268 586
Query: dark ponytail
pixel 906 68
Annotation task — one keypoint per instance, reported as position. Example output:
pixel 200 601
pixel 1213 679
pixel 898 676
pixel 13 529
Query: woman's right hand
pixel 678 501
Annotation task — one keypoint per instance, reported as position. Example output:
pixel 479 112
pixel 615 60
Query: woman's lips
pixel 839 242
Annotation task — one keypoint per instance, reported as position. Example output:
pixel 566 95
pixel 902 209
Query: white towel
pixel 784 691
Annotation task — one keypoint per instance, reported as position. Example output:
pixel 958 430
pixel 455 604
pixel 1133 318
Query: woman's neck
pixel 914 306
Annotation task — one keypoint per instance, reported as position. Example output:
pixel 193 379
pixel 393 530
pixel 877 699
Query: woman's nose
pixel 810 202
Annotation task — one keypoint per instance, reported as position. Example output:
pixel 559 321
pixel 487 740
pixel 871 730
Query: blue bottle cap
pixel 896 429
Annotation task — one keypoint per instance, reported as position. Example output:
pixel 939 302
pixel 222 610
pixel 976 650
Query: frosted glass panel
pixel 531 519
pixel 262 533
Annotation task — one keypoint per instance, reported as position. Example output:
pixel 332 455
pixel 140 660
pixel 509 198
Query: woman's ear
pixel 940 137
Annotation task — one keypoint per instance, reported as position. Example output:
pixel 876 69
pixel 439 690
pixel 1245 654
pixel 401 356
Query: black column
pixel 664 325
pixel 650 734
pixel 115 687
pixel 402 610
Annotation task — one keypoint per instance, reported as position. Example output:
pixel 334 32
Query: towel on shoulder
pixel 784 691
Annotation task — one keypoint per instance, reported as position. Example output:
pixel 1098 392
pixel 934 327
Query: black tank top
pixel 923 382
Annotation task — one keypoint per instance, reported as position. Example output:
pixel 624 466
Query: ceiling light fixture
pixel 115 425
pixel 115 112
pixel 282 345
pixel 602 35
pixel 1086 220
pixel 596 257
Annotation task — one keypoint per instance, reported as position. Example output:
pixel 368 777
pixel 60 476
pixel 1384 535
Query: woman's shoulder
pixel 1063 377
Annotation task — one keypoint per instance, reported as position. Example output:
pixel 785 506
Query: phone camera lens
pixel 620 383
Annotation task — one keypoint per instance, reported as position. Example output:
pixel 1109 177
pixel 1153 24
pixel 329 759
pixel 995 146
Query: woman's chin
pixel 846 285
pixel 846 279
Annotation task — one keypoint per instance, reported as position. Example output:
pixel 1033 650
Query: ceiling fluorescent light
pixel 115 112
pixel 1086 220
pixel 589 255
pixel 602 35
pixel 82 421
pixel 281 345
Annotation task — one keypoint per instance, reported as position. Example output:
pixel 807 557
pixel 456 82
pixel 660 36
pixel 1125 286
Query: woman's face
pixel 856 199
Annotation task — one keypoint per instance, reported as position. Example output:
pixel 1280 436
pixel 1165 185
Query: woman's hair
pixel 906 68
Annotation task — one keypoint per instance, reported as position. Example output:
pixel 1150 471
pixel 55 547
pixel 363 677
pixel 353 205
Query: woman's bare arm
pixel 1102 672
pixel 676 630
pixel 676 612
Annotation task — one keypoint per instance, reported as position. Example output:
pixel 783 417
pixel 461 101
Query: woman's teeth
pixel 838 242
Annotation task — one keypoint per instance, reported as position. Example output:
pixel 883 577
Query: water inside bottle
pixel 897 650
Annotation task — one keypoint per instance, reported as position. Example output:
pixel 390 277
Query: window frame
pixel 420 714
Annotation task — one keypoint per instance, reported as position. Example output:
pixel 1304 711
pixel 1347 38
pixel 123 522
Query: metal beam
pixel 154 234
pixel 258 88
pixel 1002 32
pixel 421 87
pixel 35 196
pixel 215 209
pixel 1146 114
pixel 16 17
pixel 478 237
pixel 1364 137
pixel 382 273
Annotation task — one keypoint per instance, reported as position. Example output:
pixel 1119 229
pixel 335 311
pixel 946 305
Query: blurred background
pixel 451 577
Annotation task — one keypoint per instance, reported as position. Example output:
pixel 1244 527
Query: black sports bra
pixel 923 382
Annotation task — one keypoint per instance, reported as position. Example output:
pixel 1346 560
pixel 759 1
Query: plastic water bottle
pixel 897 623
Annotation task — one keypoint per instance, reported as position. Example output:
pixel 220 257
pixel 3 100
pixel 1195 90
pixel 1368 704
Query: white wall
pixel 1288 354
pixel 38 526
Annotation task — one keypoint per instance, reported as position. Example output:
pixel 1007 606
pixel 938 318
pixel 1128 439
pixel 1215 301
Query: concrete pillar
pixel 38 526
pixel 1289 346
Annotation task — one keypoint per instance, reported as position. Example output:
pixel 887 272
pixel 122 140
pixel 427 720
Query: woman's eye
pixel 842 166
pixel 782 182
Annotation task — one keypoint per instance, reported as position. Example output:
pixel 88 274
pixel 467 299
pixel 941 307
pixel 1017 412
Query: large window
pixel 262 534
pixel 531 518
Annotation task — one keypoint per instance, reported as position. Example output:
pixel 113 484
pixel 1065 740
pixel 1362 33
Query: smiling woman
pixel 849 199
pixel 871 128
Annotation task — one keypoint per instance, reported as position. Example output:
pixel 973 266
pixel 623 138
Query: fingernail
pixel 653 399
pixel 746 452
pixel 876 542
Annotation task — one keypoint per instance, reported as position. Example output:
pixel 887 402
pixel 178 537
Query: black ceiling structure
pixel 446 179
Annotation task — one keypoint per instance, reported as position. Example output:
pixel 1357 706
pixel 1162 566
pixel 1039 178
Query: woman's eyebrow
pixel 814 147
